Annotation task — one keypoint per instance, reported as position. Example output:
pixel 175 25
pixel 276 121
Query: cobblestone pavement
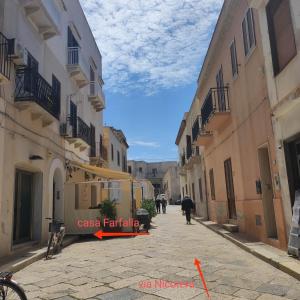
pixel 125 268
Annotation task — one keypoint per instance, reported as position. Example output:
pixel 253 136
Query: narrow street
pixel 116 268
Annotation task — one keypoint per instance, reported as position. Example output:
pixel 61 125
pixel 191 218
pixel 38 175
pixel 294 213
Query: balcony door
pixel 93 139
pixel 73 118
pixel 92 81
pixel 221 105
pixel 56 92
pixel 230 189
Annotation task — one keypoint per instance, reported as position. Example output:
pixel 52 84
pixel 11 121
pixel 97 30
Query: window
pixel 212 184
pixel 186 189
pixel 248 31
pixel 140 169
pixel 281 32
pixel 129 170
pixel 182 191
pixel 118 157
pixel 112 151
pixel 72 42
pixel 154 172
pixel 234 62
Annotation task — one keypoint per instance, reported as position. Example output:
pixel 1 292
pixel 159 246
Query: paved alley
pixel 131 268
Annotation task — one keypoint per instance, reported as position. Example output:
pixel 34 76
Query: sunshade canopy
pixel 102 172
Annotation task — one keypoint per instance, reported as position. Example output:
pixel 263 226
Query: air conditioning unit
pixel 17 53
pixel 65 130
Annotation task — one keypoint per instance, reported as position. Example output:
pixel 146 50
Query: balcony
pixel 194 158
pixel 44 15
pixel 5 63
pixel 33 92
pixel 204 138
pixel 77 66
pixel 215 110
pixel 98 154
pixel 77 132
pixel 96 96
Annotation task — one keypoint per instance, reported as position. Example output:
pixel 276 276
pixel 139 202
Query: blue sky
pixel 152 53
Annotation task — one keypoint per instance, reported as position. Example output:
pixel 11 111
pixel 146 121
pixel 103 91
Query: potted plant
pixel 108 211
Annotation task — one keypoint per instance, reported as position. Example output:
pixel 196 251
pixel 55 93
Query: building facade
pixel 51 104
pixel 153 171
pixel 116 146
pixel 279 26
pixel 233 128
pixel 171 184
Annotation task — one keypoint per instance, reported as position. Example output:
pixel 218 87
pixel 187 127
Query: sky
pixel 152 52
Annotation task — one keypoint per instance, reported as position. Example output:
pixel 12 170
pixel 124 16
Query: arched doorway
pixel 57 196
pixel 56 190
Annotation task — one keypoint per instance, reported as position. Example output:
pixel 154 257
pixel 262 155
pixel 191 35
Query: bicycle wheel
pixel 9 290
pixel 49 246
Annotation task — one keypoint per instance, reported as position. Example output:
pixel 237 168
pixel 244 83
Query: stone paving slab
pixel 121 268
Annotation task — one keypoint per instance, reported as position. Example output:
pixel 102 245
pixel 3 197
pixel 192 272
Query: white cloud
pixel 144 144
pixel 151 44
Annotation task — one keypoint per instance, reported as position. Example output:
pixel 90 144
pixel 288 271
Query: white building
pixel 153 171
pixel 191 165
pixel 171 184
pixel 280 25
pixel 51 105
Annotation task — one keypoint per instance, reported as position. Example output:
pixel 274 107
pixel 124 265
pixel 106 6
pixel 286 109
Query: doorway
pixel 267 192
pixel 230 189
pixel 23 207
pixel 292 157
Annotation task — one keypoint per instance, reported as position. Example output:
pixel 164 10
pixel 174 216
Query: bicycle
pixel 9 289
pixel 57 230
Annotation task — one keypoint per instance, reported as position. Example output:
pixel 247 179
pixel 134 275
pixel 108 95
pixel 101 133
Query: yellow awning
pixel 102 172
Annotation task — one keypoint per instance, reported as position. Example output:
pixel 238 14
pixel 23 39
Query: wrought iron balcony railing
pixel 31 86
pixel 5 64
pixel 83 131
pixel 217 100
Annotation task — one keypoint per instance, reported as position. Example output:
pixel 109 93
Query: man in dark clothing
pixel 187 205
pixel 163 204
pixel 157 204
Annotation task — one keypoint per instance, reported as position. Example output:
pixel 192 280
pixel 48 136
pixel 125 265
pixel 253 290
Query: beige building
pixel 231 117
pixel 171 184
pixel 153 171
pixel 51 103
pixel 279 25
pixel 115 144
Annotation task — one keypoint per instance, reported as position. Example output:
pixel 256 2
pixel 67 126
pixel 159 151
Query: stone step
pixel 231 227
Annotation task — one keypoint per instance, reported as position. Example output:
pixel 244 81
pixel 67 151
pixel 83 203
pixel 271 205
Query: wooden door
pixel 230 189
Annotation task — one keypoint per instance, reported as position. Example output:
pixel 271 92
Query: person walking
pixel 157 204
pixel 187 205
pixel 163 204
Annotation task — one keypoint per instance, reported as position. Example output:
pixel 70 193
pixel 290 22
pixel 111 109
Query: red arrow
pixel 100 234
pixel 198 266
